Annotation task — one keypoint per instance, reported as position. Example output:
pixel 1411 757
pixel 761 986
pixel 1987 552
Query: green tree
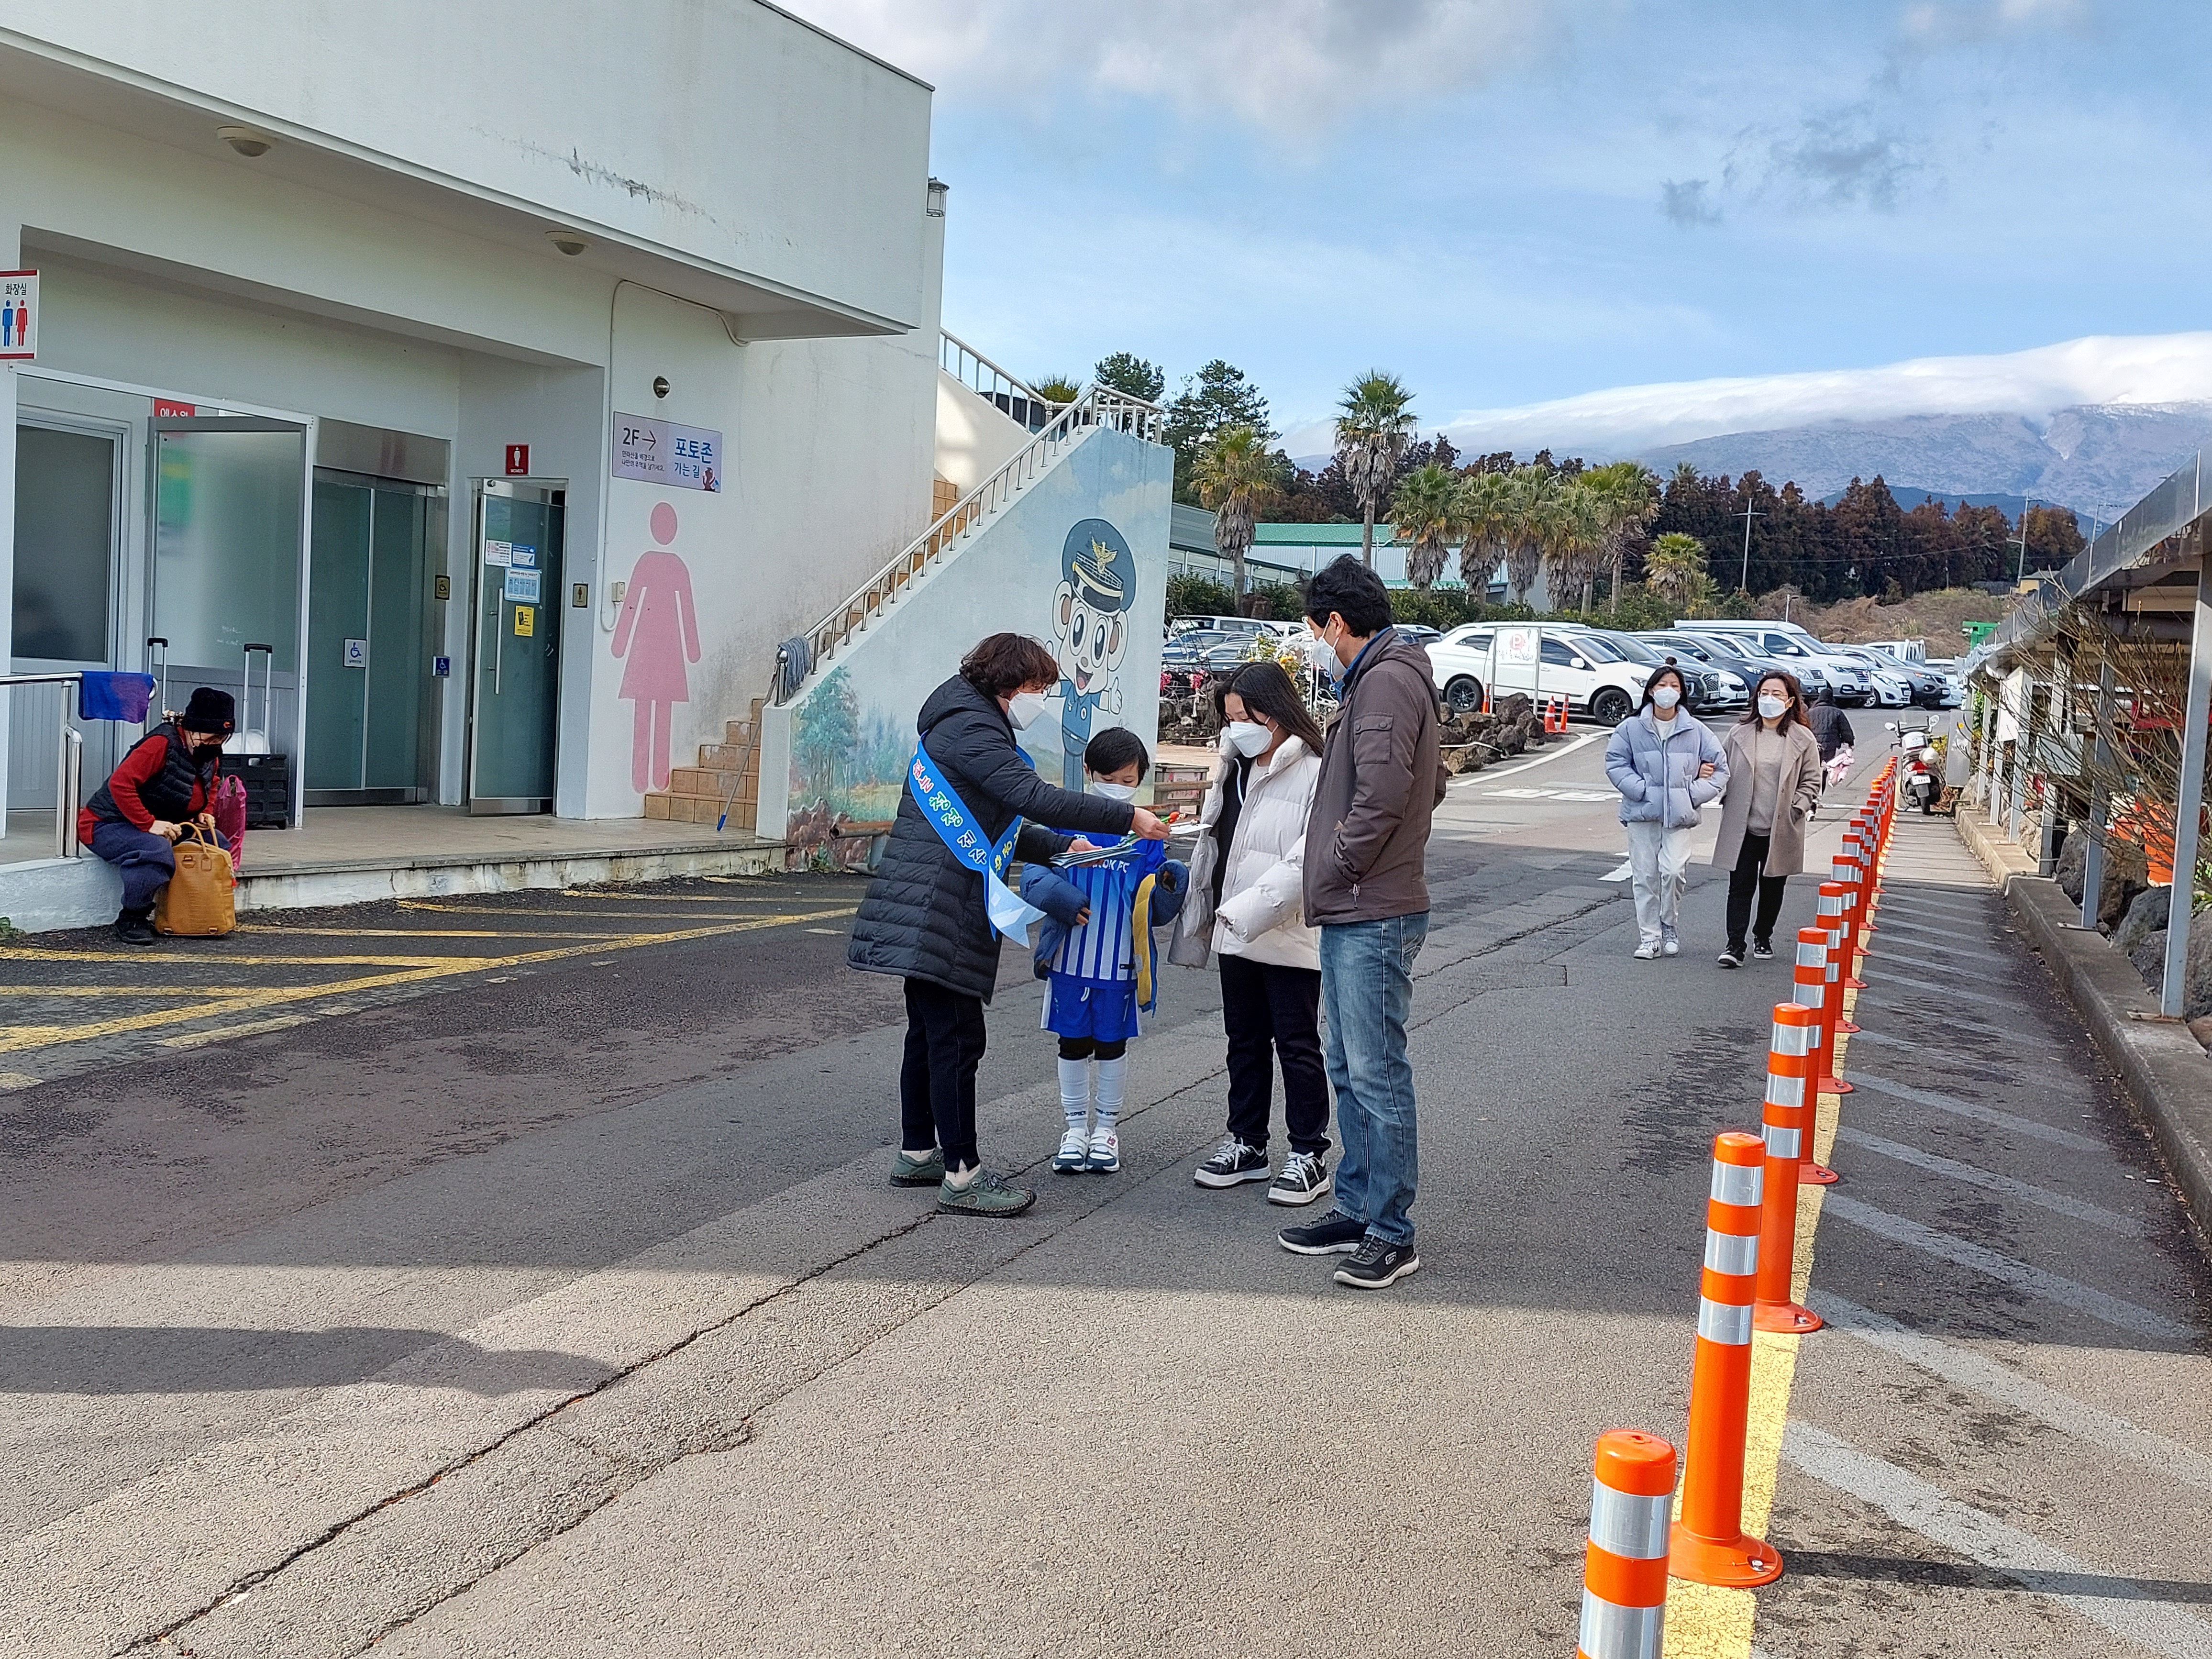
pixel 1374 424
pixel 1569 540
pixel 1425 517
pixel 1056 389
pixel 1125 372
pixel 1531 502
pixel 1626 497
pixel 1235 476
pixel 1485 517
pixel 1217 396
pixel 1676 569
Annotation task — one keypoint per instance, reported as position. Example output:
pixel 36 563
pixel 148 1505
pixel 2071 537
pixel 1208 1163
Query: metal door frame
pixel 554 492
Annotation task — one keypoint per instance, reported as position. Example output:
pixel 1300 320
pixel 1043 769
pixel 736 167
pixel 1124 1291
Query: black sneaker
pixel 1732 957
pixel 1374 1265
pixel 1761 950
pixel 1334 1234
pixel 1302 1178
pixel 1233 1162
pixel 135 926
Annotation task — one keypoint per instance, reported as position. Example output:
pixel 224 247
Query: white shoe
pixel 1647 952
pixel 1670 946
pixel 1105 1152
pixel 1074 1153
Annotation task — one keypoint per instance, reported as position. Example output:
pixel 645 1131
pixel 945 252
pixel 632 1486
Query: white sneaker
pixel 1647 952
pixel 1669 945
pixel 1074 1153
pixel 1105 1152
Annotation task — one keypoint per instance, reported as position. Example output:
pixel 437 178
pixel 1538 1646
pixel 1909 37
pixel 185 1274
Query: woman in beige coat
pixel 1773 785
pixel 1246 906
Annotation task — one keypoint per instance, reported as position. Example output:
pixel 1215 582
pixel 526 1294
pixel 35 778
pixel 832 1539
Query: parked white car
pixel 1595 675
pixel 1789 643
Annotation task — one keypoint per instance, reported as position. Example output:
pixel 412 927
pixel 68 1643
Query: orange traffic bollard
pixel 1709 1545
pixel 1624 1571
pixel 1787 1138
pixel 1810 990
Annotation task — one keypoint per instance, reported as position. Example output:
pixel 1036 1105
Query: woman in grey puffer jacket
pixel 1667 766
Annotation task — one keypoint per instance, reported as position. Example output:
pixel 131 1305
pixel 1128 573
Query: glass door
pixel 372 622
pixel 515 710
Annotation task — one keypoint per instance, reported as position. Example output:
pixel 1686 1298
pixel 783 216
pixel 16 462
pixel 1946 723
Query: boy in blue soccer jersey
pixel 1102 967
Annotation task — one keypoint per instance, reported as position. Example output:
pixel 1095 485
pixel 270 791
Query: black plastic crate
pixel 268 779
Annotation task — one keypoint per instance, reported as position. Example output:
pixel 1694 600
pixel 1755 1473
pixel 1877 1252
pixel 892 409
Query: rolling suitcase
pixel 267 775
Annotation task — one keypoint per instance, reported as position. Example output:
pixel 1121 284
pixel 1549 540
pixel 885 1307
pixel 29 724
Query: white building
pixel 519 393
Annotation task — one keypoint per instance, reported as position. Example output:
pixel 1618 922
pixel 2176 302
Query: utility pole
pixel 1743 582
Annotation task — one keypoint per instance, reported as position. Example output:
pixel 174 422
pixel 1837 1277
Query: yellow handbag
pixel 197 901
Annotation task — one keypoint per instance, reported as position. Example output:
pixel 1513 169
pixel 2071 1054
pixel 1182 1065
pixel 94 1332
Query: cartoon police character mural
pixel 1090 620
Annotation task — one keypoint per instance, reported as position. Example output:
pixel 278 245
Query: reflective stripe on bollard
pixel 1625 1568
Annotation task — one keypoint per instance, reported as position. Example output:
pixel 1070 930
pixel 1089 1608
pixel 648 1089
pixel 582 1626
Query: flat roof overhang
pixel 758 307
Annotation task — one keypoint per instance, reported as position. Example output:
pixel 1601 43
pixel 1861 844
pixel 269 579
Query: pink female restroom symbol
pixel 658 632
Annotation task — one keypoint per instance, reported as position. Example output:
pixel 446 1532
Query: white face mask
pixel 1771 707
pixel 1665 698
pixel 1112 791
pixel 1023 707
pixel 1322 655
pixel 1246 737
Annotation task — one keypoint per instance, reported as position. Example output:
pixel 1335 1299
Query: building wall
pixel 841 747
pixel 731 133
pixel 974 437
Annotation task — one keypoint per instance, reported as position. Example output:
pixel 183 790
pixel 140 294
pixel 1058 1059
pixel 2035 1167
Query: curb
pixel 2167 1072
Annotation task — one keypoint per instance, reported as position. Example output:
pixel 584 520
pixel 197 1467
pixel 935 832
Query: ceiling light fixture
pixel 248 142
pixel 570 242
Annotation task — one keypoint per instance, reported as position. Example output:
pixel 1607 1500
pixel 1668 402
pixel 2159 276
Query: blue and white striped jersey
pixel 1099 951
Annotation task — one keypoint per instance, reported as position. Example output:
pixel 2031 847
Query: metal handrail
pixel 981 375
pixel 1099 406
pixel 68 763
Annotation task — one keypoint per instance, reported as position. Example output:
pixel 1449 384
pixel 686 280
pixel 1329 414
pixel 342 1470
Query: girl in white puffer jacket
pixel 1247 905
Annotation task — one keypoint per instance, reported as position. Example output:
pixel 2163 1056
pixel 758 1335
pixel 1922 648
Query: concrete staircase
pixel 696 793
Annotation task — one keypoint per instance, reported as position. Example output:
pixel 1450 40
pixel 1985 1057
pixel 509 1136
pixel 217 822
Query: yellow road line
pixel 11 1081
pixel 21 1038
pixel 252 1027
pixel 434 933
pixel 127 990
pixel 671 898
pixel 575 916
pixel 226 959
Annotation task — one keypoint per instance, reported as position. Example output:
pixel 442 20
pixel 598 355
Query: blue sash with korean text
pixel 963 835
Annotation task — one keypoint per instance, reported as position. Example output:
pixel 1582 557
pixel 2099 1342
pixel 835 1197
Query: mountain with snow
pixel 2096 458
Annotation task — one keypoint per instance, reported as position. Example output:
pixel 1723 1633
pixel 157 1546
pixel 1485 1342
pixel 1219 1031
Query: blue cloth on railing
pixel 114 697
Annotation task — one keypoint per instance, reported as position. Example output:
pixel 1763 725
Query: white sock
pixel 1075 1093
pixel 1113 1085
pixel 960 1180
pixel 921 1157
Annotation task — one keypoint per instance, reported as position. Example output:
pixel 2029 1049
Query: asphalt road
pixel 550 1302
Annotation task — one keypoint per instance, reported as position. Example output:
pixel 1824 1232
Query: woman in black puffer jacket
pixel 924 917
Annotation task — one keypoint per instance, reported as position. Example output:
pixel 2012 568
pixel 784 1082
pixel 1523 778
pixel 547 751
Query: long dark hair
pixel 1793 715
pixel 1265 688
pixel 1681 685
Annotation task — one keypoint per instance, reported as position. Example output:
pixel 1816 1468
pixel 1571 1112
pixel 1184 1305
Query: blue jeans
pixel 145 860
pixel 1366 991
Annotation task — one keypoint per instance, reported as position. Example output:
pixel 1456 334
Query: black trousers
pixel 1743 881
pixel 1273 1012
pixel 937 1080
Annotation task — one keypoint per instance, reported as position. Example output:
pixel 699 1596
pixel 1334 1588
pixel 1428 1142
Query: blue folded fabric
pixel 1060 900
pixel 114 697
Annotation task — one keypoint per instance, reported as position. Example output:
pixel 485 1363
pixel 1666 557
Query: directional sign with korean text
pixel 19 316
pixel 659 451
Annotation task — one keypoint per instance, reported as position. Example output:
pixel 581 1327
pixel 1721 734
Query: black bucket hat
pixel 209 710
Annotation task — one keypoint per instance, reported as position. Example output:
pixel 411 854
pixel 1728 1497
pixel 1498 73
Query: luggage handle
pixel 153 639
pixel 267 728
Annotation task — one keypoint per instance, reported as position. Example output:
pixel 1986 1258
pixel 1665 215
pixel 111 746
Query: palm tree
pixel 1484 517
pixel 1627 499
pixel 1570 542
pixel 1425 517
pixel 1372 431
pixel 1676 568
pixel 1057 389
pixel 1531 501
pixel 1235 476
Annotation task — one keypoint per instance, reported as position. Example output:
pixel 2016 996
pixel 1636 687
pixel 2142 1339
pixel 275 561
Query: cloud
pixel 1285 67
pixel 2143 370
pixel 1938 23
pixel 1689 202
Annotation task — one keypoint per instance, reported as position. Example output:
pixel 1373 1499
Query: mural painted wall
pixel 1079 561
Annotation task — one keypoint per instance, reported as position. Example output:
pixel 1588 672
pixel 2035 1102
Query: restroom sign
pixel 517 460
pixel 19 315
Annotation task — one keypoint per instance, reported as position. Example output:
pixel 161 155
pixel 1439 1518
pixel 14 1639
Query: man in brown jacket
pixel 1366 889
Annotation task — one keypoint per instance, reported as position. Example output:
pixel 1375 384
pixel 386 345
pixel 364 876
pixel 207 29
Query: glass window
pixel 64 544
pixel 1556 653
pixel 226 544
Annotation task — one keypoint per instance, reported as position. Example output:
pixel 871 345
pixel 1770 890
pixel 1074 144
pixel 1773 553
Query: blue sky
pixel 1512 201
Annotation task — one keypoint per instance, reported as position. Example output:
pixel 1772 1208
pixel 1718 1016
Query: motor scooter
pixel 1917 777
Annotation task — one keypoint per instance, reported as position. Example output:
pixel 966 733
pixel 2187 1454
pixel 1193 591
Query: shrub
pixel 1192 595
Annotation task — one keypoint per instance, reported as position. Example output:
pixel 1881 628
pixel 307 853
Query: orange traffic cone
pixel 1709 1545
pixel 1624 1570
pixel 1785 1114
